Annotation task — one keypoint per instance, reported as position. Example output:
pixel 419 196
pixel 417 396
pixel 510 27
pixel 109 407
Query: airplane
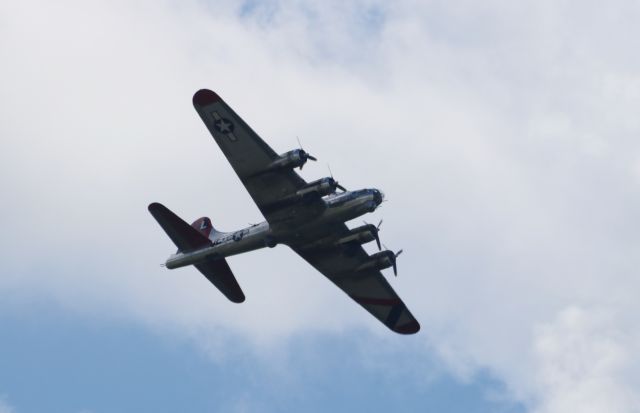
pixel 308 217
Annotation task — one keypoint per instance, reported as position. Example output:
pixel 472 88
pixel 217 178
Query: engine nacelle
pixel 361 235
pixel 378 261
pixel 322 187
pixel 292 159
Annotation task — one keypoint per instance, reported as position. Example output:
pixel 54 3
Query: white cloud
pixel 507 134
pixel 4 406
pixel 584 361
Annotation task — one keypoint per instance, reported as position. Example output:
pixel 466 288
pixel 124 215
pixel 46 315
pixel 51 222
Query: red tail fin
pixel 203 225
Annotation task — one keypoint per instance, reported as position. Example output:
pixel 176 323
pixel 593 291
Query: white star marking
pixel 223 126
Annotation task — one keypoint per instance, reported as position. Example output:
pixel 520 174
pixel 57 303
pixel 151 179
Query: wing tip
pixel 156 209
pixel 235 293
pixel 237 299
pixel 411 327
pixel 204 97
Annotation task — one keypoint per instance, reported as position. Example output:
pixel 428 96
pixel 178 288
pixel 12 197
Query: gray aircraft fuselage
pixel 338 208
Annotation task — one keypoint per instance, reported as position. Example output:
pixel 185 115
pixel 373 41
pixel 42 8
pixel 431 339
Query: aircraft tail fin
pixel 204 226
pixel 185 236
pixel 191 237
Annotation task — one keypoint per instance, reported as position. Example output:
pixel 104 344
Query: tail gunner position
pixel 308 217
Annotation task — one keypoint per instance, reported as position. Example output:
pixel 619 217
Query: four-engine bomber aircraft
pixel 308 217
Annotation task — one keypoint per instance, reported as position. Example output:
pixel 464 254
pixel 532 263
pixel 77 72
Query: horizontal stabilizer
pixel 182 234
pixel 187 238
pixel 218 272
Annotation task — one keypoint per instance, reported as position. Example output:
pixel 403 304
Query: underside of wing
pixel 368 288
pixel 251 158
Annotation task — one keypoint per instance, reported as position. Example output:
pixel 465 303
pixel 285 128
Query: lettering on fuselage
pixel 235 237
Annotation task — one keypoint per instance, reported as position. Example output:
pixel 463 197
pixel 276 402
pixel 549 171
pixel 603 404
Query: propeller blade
pixel 342 188
pixel 395 268
pixel 398 253
pixel 375 234
pixel 305 154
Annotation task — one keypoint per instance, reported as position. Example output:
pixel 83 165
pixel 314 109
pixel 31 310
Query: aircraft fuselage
pixel 339 208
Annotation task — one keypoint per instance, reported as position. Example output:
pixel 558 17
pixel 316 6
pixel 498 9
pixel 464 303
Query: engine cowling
pixel 322 187
pixel 379 261
pixel 361 235
pixel 292 159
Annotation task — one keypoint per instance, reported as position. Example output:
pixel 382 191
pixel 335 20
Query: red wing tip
pixel 409 328
pixel 205 97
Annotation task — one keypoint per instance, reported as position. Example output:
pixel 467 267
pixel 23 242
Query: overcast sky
pixel 505 135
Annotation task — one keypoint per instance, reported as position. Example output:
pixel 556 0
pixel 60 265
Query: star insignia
pixel 223 125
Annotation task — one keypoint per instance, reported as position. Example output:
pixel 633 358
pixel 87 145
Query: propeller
pixel 395 267
pixel 340 187
pixel 378 237
pixel 393 256
pixel 375 233
pixel 304 154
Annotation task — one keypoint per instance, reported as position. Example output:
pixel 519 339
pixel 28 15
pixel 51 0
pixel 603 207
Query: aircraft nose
pixel 378 196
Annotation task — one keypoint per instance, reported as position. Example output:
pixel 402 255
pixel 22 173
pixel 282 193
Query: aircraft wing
pixel 250 158
pixel 369 288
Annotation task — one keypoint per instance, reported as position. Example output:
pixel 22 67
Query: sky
pixel 504 135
